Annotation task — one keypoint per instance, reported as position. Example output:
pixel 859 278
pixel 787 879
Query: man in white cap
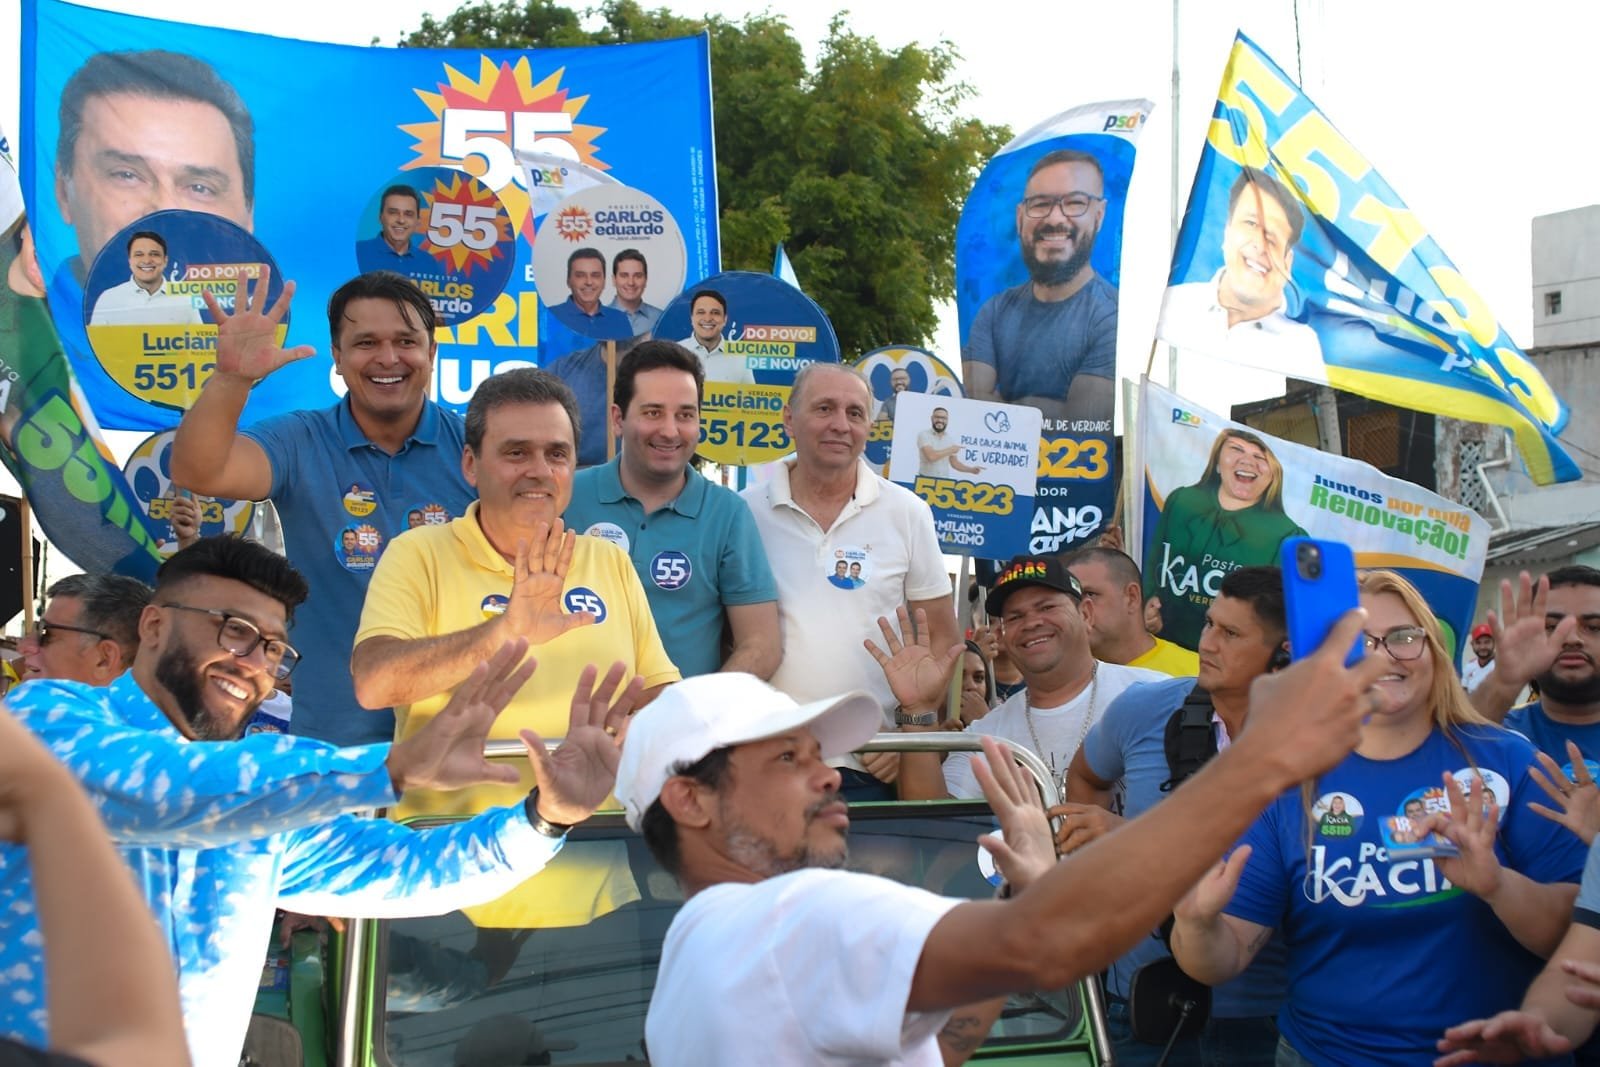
pixel 776 956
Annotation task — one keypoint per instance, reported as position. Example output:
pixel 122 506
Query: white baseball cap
pixel 693 718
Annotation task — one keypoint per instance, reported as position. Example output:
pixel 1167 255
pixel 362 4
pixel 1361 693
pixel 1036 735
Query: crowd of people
pixel 717 661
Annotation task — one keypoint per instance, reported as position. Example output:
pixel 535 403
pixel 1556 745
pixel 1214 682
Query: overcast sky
pixel 1469 114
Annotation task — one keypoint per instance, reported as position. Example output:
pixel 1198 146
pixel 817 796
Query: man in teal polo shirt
pixel 345 479
pixel 693 543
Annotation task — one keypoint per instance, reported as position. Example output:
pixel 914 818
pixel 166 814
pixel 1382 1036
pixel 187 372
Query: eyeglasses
pixel 1406 643
pixel 45 628
pixel 240 637
pixel 1072 205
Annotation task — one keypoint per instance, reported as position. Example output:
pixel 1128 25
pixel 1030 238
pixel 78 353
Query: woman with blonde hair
pixel 1232 517
pixel 1385 953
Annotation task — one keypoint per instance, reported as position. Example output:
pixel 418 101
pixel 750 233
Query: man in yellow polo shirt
pixel 444 597
pixel 1110 578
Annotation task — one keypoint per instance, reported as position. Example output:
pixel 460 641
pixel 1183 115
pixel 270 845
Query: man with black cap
pixel 776 959
pixel 1044 627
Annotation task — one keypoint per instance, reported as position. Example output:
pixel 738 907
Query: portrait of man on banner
pixel 1240 313
pixel 1051 341
pixel 1232 517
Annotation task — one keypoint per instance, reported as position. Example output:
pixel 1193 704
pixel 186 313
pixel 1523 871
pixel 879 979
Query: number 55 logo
pixel 670 570
pixel 582 598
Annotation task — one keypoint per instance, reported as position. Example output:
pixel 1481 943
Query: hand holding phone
pixel 1319 586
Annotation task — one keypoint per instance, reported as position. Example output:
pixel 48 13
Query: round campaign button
pixel 357 546
pixel 582 598
pixel 494 604
pixel 445 230
pixel 359 500
pixel 671 570
pixel 609 531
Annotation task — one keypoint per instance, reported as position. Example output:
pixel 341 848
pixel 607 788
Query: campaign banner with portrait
pixel 149 474
pixel 1217 495
pixel 48 437
pixel 975 463
pixel 751 333
pixel 1038 262
pixel 895 369
pixel 327 161
pixel 1295 256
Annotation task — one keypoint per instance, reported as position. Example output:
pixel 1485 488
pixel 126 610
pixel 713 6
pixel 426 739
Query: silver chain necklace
pixel 1088 721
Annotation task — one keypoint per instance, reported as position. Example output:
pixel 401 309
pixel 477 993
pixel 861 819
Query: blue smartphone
pixel 1319 586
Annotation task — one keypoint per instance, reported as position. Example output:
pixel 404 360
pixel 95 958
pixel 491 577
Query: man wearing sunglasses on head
pixel 1051 341
pixel 220 830
pixel 89 632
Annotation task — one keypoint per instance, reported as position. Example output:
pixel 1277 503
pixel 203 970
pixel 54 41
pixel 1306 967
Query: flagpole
pixel 1172 353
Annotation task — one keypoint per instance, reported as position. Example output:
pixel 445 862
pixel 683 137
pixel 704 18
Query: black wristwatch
pixel 921 718
pixel 540 824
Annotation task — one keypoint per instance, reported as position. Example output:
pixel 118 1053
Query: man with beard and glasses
pixel 1240 313
pixel 1548 633
pixel 1052 341
pixel 779 957
pixel 220 834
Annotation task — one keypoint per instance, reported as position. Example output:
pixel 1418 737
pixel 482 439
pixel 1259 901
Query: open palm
pixel 247 339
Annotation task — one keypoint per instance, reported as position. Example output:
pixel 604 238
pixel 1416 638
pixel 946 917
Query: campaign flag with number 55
pixel 1295 256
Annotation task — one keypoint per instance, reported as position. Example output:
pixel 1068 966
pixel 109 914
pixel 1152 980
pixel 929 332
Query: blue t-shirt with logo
pixel 694 556
pixel 1550 736
pixel 1128 746
pixel 1384 954
pixel 341 500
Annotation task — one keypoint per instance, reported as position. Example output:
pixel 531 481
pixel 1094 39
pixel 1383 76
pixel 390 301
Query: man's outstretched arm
pixel 1093 907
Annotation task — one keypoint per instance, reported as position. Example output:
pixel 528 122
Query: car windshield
pixel 561 969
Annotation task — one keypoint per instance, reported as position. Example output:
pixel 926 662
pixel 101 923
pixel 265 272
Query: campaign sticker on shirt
pixel 849 568
pixel 609 531
pixel 1337 815
pixel 494 604
pixel 359 500
pixel 357 547
pixel 582 598
pixel 1492 783
pixel 670 570
pixel 1592 767
pixel 1404 833
pixel 427 515
pixel 986 867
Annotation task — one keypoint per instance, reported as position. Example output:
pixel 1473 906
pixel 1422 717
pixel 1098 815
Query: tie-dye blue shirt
pixel 219 834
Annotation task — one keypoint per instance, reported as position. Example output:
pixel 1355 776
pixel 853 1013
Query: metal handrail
pixel 933 741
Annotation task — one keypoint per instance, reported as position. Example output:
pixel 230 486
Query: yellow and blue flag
pixel 1295 256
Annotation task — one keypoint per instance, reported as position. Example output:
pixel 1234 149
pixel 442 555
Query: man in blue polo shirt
pixel 344 479
pixel 581 312
pixel 693 543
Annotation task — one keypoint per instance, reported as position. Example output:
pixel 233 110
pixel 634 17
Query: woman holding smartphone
pixel 1385 954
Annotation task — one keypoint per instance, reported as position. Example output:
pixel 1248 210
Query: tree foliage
pixel 859 166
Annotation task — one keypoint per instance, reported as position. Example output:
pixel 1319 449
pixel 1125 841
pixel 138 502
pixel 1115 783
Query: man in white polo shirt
pixel 825 507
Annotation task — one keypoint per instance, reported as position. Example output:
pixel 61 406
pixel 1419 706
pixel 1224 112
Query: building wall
pixel 1566 261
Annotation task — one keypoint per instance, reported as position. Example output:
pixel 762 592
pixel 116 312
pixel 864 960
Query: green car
pixel 561 970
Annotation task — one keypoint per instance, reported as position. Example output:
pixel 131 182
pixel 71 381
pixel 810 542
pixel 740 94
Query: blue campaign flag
pixel 328 160
pixel 1038 261
pixel 783 268
pixel 1295 256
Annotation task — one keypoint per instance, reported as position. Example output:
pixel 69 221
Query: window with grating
pixel 1374 438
